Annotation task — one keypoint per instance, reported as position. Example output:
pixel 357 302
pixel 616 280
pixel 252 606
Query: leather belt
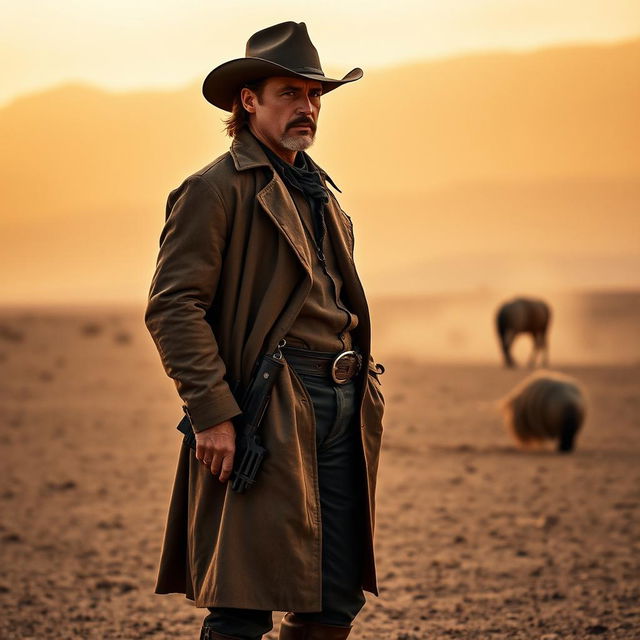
pixel 339 367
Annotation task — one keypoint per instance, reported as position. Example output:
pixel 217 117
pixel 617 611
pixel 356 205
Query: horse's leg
pixel 506 342
pixel 544 346
pixel 534 351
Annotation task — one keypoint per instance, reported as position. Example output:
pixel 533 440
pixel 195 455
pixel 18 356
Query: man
pixel 256 256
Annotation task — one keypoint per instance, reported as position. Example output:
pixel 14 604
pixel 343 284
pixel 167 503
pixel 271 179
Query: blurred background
pixel 491 150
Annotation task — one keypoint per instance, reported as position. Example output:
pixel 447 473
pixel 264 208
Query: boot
pixel 294 629
pixel 207 633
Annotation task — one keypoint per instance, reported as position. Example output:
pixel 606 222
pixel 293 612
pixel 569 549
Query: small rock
pixel 546 522
pixel 11 537
pixel 110 524
pixel 122 337
pixel 596 629
pixel 91 329
pixel 10 334
pixel 65 485
pixel 120 586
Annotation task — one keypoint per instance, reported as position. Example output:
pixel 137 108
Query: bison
pixel 545 406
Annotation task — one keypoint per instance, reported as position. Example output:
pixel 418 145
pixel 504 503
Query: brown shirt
pixel 324 322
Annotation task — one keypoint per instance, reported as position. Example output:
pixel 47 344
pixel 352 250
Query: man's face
pixel 285 112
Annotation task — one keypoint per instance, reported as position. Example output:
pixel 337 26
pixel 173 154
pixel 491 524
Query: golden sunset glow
pixel 509 160
pixel 168 43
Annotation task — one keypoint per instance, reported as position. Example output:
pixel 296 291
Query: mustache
pixel 302 120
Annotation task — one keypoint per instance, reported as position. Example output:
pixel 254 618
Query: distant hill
pixel 501 154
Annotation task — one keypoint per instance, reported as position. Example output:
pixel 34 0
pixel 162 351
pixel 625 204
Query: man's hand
pixel 215 448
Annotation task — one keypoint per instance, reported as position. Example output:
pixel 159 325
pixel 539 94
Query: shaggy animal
pixel 545 406
pixel 524 315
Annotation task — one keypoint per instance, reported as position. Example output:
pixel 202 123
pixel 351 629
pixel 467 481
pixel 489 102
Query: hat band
pixel 309 70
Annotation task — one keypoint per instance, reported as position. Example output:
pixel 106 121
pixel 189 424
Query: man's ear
pixel 248 99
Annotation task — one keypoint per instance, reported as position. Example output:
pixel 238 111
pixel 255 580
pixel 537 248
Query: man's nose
pixel 305 106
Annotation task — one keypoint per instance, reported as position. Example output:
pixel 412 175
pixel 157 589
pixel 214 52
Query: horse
pixel 545 406
pixel 524 315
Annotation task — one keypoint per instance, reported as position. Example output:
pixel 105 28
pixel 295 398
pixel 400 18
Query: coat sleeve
pixel 183 287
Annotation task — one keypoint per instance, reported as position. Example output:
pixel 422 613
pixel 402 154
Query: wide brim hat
pixel 284 49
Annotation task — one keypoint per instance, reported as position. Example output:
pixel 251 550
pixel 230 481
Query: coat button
pixel 362 426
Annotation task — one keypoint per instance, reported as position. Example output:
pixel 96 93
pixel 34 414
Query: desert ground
pixel 475 538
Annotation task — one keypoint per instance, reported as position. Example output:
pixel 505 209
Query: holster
pixel 254 402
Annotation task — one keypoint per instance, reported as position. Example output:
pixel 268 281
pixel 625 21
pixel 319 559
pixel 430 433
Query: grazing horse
pixel 524 315
pixel 545 406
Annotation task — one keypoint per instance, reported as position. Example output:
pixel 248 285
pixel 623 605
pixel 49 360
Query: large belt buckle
pixel 347 369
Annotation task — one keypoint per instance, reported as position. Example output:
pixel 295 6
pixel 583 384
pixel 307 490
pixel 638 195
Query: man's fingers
pixel 200 452
pixel 203 454
pixel 216 463
pixel 227 466
pixel 218 459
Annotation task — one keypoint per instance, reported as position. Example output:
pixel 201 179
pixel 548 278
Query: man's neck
pixel 285 154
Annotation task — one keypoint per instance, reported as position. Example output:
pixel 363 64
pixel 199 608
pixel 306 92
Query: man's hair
pixel 239 118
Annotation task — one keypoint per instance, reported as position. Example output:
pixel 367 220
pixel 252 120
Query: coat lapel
pixel 279 206
pixel 274 197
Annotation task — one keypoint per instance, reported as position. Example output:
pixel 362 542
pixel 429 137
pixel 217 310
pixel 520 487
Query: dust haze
pixel 586 327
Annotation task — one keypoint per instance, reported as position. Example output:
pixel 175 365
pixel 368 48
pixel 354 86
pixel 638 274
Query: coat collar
pixel 248 154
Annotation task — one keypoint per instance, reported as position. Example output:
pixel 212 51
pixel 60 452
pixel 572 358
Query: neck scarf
pixel 305 177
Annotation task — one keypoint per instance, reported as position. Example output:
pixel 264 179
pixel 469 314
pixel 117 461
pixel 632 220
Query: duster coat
pixel 232 273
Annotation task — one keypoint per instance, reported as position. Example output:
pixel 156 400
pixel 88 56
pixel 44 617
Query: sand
pixel 475 539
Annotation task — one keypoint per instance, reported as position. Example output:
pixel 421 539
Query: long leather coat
pixel 232 273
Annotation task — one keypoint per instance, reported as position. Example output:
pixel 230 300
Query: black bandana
pixel 305 177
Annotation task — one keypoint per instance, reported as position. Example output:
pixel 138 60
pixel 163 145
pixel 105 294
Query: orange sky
pixel 122 44
pixel 522 170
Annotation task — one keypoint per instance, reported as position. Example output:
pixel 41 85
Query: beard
pixel 298 142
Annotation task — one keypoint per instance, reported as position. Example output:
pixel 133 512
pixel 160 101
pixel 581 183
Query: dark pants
pixel 341 505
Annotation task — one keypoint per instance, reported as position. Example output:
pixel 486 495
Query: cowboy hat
pixel 281 50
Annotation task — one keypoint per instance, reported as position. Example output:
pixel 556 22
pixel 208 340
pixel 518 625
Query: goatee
pixel 296 143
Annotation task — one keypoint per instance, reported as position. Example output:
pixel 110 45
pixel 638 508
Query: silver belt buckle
pixel 337 359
